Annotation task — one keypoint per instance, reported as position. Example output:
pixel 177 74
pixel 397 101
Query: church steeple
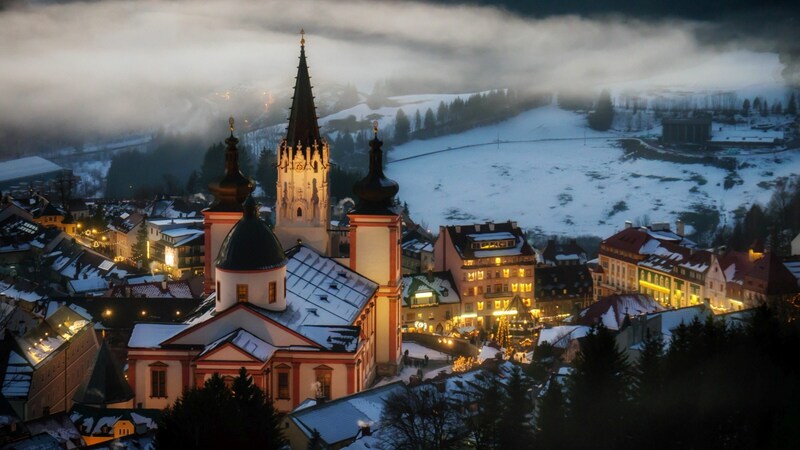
pixel 303 127
pixel 303 167
pixel 375 192
pixel 232 188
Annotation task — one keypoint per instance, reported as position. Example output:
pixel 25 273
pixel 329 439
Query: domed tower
pixel 303 168
pixel 375 253
pixel 218 219
pixel 251 266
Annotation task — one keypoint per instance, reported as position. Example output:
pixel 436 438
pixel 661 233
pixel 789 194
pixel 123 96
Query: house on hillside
pixel 122 233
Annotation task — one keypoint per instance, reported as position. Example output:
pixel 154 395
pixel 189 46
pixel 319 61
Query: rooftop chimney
pixel 628 224
pixel 679 228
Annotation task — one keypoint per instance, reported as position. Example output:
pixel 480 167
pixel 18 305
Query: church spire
pixel 375 192
pixel 303 127
pixel 232 188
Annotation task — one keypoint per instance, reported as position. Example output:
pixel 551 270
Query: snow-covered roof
pixel 82 285
pixel 320 291
pixel 245 341
pixel 26 167
pixel 338 420
pixel 440 282
pixel 478 237
pixel 561 336
pixel 151 335
pixel 17 379
pixel 671 319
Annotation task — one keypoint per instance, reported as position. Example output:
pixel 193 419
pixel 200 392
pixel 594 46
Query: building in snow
pixel 695 130
pixel 430 302
pixel 490 264
pixel 300 322
pixel 47 365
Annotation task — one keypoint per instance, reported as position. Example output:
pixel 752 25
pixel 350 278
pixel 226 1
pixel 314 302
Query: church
pixel 303 323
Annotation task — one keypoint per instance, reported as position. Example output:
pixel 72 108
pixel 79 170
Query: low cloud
pixel 116 66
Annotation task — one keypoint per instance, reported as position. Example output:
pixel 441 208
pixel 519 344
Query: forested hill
pixel 688 9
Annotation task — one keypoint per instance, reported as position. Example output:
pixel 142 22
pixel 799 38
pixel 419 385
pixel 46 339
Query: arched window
pixel 299 212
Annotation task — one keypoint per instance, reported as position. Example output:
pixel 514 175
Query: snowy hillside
pixel 555 181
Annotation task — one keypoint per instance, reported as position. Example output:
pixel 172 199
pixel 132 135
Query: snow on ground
pixel 558 182
pixel 418 351
pixel 438 362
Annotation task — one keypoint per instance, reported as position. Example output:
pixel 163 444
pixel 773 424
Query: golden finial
pixel 375 128
pixel 302 36
pixel 230 122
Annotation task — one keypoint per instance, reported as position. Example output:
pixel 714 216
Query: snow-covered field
pixel 560 183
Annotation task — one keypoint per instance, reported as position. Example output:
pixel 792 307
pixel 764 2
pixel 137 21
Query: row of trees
pixel 715 386
pixel 774 224
pixel 761 106
pixel 459 115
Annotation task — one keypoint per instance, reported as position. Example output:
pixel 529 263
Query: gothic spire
pixel 232 188
pixel 303 125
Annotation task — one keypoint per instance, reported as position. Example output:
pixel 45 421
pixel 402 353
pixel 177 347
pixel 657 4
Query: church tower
pixel 230 192
pixel 375 234
pixel 303 169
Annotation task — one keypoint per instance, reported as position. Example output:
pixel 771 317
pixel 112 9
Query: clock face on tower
pixel 298 167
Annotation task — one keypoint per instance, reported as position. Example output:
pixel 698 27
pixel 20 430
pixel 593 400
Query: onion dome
pixel 233 188
pixel 251 244
pixel 375 192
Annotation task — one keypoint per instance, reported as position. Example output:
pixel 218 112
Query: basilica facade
pixel 303 324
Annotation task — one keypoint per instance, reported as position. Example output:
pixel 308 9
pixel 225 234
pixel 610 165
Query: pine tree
pixel 139 248
pixel 514 428
pixel 551 417
pixel 259 421
pixel 417 123
pixel 192 183
pixel 603 115
pixel 266 174
pixel 401 127
pixel 746 107
pixel 484 424
pixel 315 443
pixel 791 107
pixel 599 392
pixel 430 123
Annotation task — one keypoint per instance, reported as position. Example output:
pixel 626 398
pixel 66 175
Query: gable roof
pixel 105 384
pixel 464 235
pixel 440 282
pixel 611 310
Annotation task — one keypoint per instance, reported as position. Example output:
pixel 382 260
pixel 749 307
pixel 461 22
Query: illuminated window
pixel 158 380
pixel 323 378
pixel 497 261
pixel 480 274
pixel 470 276
pixel 480 306
pixel 497 304
pixel 272 291
pixel 241 293
pixel 505 304
pixel 522 272
pixel 506 273
pixel 283 381
pixel 513 287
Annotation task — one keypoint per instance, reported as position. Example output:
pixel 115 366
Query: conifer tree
pixel 514 427
pixel 401 127
pixel 746 107
pixel 430 123
pixel 599 391
pixel 791 107
pixel 603 115
pixel 551 417
pixel 139 248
